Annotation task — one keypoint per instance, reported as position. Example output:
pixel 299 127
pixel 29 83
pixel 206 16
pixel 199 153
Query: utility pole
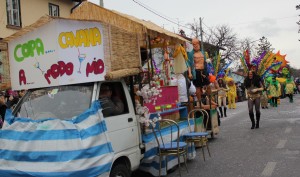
pixel 201 36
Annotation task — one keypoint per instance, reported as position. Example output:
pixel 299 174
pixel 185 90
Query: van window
pixel 113 99
pixel 62 102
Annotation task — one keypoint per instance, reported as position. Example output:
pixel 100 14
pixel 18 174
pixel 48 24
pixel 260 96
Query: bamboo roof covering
pixel 40 22
pixel 153 28
pixel 90 11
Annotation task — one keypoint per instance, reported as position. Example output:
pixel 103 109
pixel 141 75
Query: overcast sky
pixel 274 19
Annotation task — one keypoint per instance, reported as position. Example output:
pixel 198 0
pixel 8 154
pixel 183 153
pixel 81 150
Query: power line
pixel 156 13
pixel 262 20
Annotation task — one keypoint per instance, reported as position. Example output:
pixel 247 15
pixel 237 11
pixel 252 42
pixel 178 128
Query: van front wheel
pixel 119 170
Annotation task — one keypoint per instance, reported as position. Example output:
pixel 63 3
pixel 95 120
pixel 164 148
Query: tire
pixel 120 170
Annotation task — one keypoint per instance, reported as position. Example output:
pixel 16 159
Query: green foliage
pixel 263 45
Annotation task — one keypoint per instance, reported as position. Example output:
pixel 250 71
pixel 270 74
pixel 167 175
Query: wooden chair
pixel 169 143
pixel 202 136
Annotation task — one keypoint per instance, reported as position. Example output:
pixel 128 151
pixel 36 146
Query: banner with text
pixel 61 52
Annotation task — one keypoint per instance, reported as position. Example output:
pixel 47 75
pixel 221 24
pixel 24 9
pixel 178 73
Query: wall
pixel 31 11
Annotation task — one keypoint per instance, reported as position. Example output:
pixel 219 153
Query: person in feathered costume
pixel 257 69
pixel 254 88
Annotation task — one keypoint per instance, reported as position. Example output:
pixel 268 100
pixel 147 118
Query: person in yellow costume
pixel 274 90
pixel 289 88
pixel 231 94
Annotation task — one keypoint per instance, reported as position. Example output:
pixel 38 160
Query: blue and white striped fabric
pixel 52 147
pixel 150 162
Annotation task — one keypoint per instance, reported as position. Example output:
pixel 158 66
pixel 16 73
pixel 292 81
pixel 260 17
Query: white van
pixel 66 104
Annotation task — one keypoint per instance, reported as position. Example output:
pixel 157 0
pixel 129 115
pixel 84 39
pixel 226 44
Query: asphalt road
pixel 237 151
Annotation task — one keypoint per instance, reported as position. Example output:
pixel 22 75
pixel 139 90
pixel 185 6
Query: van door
pixel 119 115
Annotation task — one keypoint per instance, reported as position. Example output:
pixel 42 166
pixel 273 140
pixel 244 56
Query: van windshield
pixel 62 102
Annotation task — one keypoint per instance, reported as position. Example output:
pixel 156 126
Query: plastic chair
pixel 194 137
pixel 169 143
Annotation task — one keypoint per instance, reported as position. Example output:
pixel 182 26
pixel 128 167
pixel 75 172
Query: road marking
pixel 288 130
pixel 288 152
pixel 269 169
pixel 281 144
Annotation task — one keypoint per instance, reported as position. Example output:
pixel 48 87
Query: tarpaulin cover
pixel 53 147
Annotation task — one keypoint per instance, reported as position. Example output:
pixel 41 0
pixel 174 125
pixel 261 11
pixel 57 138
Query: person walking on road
pixel 222 94
pixel 254 88
pixel 289 88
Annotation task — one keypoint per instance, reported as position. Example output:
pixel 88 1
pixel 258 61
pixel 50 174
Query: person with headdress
pixel 289 88
pixel 254 88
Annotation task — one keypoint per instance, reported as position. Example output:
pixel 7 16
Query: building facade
pixel 15 14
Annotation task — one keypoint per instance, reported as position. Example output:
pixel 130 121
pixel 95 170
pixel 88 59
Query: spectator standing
pixel 3 106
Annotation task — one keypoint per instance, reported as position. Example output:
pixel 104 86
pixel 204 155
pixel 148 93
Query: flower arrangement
pixel 144 118
pixel 150 94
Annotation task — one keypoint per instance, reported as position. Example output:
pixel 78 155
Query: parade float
pixel 63 64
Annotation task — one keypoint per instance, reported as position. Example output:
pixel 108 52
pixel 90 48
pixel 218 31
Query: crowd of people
pixel 8 100
pixel 256 89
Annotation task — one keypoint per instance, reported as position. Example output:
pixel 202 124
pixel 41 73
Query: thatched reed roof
pixel 90 11
pixel 40 22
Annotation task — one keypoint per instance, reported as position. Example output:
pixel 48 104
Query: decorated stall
pixel 156 88
pixel 105 46
pixel 157 47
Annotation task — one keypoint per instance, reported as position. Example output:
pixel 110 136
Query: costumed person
pixel 201 79
pixel 197 70
pixel 264 99
pixel 207 103
pixel 231 94
pixel 214 86
pixel 254 88
pixel 222 92
pixel 274 90
pixel 289 88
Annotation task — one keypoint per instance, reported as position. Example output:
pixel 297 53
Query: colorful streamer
pixel 243 62
pixel 269 68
